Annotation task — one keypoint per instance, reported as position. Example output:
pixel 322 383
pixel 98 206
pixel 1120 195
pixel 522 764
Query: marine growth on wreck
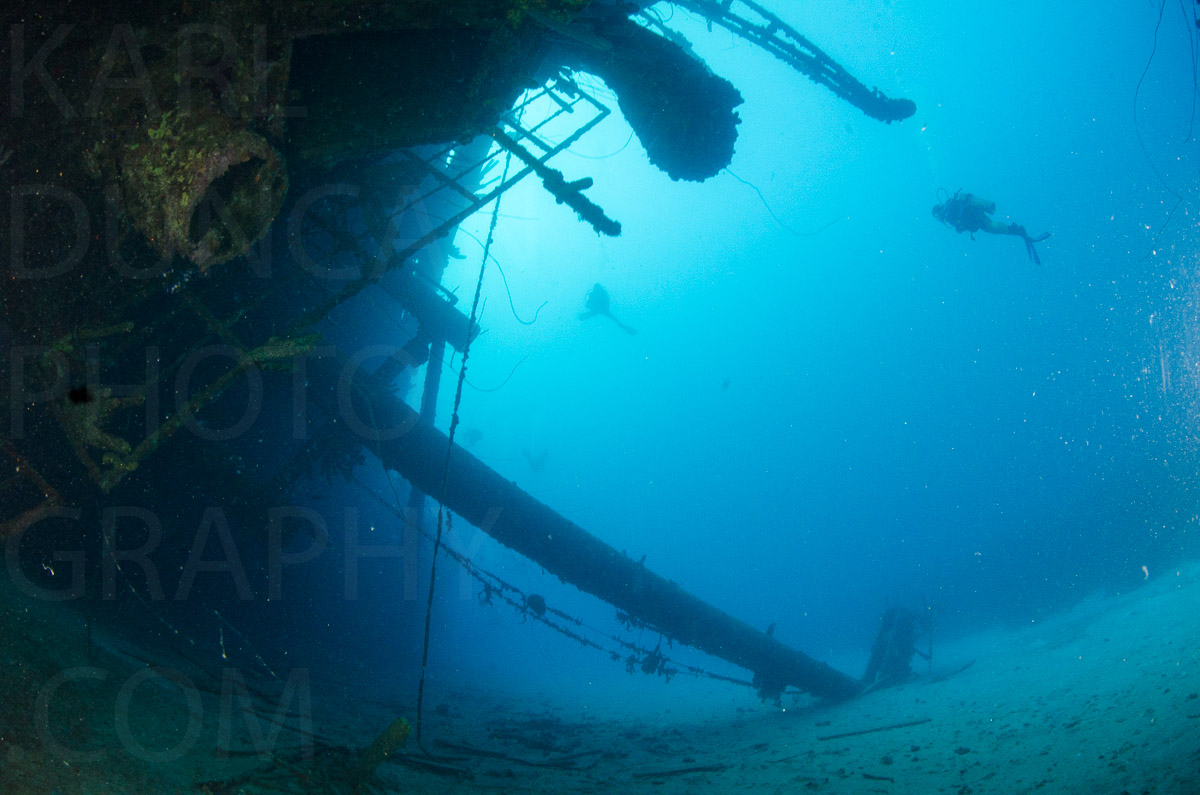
pixel 234 352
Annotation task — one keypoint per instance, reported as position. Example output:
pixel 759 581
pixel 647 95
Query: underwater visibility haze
pixel 777 342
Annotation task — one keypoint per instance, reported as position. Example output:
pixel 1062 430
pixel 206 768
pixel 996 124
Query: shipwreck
pixel 196 188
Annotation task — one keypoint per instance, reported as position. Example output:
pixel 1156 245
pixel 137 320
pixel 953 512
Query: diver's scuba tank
pixel 987 205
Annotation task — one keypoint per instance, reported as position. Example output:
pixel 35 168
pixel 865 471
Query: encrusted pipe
pixel 417 452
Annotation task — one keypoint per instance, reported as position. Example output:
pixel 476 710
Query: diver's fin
pixel 627 329
pixel 1029 241
pixel 1031 251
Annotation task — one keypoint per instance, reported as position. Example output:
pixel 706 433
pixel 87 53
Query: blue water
pixel 834 403
pixel 810 427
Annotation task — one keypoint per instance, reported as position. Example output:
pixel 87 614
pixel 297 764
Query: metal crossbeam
pixel 756 24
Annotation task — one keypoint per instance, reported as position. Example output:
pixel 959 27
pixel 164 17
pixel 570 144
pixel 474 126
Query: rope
pixel 1138 134
pixel 763 199
pixel 442 515
pixel 500 268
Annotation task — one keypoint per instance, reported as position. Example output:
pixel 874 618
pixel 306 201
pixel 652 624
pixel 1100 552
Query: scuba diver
pixel 597 304
pixel 966 212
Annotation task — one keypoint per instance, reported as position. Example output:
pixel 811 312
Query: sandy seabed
pixel 1102 699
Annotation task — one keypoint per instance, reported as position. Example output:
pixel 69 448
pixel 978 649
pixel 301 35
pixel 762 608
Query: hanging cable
pixel 511 306
pixel 1138 134
pixel 763 199
pixel 508 290
pixel 1190 27
pixel 442 515
pixel 508 378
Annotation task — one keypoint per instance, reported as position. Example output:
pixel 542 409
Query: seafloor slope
pixel 1103 699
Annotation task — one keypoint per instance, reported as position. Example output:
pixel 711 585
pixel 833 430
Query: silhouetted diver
pixel 597 304
pixel 966 212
